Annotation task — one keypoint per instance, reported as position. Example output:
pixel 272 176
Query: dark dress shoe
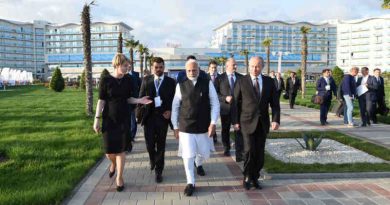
pixel 120 188
pixel 200 171
pixel 152 166
pixel 239 159
pixel 226 153
pixel 111 174
pixel 159 178
pixel 189 190
pixel 256 184
pixel 246 183
pixel 323 123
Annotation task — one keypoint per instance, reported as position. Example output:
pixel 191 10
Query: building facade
pixel 234 36
pixel 364 42
pixel 22 46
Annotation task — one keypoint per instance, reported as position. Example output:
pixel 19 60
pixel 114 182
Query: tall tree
pixel 267 44
pixel 120 43
pixel 131 45
pixel 222 60
pixel 86 31
pixel 141 49
pixel 386 4
pixel 245 53
pixel 304 30
pixel 146 54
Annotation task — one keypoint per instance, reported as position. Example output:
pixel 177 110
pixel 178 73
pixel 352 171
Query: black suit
pixel 380 96
pixel 279 86
pixel 155 125
pixel 367 101
pixel 292 89
pixel 224 89
pixel 251 113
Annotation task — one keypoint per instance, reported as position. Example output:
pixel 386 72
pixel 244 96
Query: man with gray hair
pixel 253 95
pixel 195 111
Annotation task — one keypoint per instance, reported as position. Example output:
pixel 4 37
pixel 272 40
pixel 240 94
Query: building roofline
pixel 17 22
pixel 267 22
pixel 99 22
pixel 357 21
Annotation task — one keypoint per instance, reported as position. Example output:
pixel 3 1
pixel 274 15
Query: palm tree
pixel 245 53
pixel 86 31
pixel 386 4
pixel 141 49
pixel 146 54
pixel 131 45
pixel 120 43
pixel 267 44
pixel 304 30
pixel 222 60
pixel 149 59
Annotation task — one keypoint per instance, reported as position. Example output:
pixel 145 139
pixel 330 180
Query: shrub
pixel 57 82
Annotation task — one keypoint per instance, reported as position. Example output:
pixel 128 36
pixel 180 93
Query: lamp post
pixel 280 54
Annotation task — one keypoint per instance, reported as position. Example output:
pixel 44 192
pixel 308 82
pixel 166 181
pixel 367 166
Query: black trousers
pixel 381 108
pixel 254 144
pixel 367 108
pixel 279 93
pixel 291 99
pixel 155 130
pixel 324 109
pixel 225 134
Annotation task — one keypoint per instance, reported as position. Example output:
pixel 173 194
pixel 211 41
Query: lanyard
pixel 159 85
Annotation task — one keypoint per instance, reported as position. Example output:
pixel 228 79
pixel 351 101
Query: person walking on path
pixel 293 84
pixel 225 89
pixel 157 115
pixel 115 93
pixel 253 95
pixel 325 87
pixel 348 85
pixel 195 111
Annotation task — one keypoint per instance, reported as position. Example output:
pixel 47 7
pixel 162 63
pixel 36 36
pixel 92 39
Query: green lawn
pixel 49 144
pixel 273 165
pixel 310 91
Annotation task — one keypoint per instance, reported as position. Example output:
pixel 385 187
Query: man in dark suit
pixel 325 87
pixel 380 95
pixel 213 76
pixel 292 87
pixel 136 80
pixel 253 95
pixel 279 82
pixel 157 115
pixel 367 100
pixel 225 89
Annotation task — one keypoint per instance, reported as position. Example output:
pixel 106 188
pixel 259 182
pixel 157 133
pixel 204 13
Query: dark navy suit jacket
pixel 372 86
pixel 321 84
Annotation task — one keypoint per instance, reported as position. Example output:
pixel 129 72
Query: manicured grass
pixel 273 165
pixel 311 90
pixel 49 144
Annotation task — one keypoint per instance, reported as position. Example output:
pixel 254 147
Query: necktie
pixel 257 88
pixel 231 84
pixel 157 85
pixel 379 80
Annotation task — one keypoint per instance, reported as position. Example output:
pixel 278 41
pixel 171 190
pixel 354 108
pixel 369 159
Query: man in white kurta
pixel 195 111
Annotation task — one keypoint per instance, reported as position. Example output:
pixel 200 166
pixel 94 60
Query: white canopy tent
pixel 12 77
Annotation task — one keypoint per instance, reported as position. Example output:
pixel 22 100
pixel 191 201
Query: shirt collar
pixel 230 74
pixel 258 77
pixel 161 77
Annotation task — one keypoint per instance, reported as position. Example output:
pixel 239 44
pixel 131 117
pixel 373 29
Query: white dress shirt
pixel 161 80
pixel 260 81
pixel 214 103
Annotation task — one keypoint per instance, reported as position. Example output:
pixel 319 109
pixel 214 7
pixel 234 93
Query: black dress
pixel 116 117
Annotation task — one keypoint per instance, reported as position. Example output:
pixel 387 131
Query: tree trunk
pixel 268 60
pixel 303 65
pixel 132 58
pixel 246 64
pixel 141 65
pixel 120 43
pixel 86 31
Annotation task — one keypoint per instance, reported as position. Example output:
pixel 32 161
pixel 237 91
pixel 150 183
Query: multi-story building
pixel 364 42
pixel 22 46
pixel 64 46
pixel 234 36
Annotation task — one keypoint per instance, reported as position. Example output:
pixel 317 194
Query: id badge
pixel 157 101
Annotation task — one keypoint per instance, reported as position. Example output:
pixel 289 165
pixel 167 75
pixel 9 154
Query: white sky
pixel 187 22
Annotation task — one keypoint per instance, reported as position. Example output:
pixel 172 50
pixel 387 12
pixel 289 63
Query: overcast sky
pixel 187 22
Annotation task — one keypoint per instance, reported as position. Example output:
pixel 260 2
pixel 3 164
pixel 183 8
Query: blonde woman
pixel 114 96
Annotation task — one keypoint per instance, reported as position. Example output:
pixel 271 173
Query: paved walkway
pixel 303 118
pixel 222 183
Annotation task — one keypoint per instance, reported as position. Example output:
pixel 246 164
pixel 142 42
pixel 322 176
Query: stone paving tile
pixel 111 202
pixel 128 202
pixel 380 200
pixel 330 202
pixel 364 201
pixel 336 194
pixel 289 195
pixel 163 202
pixel 295 202
pixel 145 202
pixel 181 202
pixel 138 195
pixel 313 202
pixel 277 202
pixel 348 201
pixel 304 194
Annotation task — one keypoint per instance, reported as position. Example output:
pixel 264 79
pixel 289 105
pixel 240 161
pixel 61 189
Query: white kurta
pixel 191 144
